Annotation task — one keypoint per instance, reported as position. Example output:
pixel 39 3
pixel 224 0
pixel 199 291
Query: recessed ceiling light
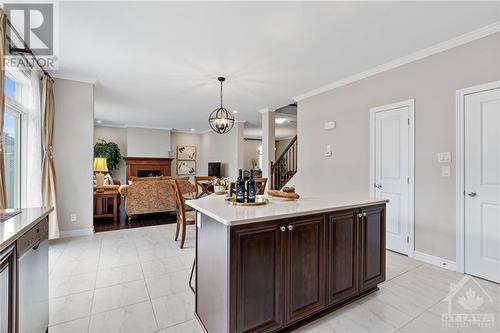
pixel 235 111
pixel 280 120
pixel 99 121
pixel 192 129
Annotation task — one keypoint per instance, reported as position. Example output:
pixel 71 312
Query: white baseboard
pixel 76 232
pixel 436 261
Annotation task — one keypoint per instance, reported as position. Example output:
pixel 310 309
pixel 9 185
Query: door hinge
pixel 408 239
pixel 408 121
pixel 407 180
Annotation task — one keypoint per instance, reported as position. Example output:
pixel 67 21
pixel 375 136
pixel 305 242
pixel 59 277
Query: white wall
pixel 73 153
pixel 250 153
pixel 118 136
pixel 281 145
pixel 148 142
pixel 189 139
pixel 226 148
pixel 432 82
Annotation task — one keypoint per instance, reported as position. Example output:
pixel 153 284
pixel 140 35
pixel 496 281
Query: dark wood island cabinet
pixel 278 274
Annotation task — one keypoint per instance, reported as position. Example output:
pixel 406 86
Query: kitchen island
pixel 278 266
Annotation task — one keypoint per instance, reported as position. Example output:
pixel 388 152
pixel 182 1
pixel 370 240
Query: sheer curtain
pixel 34 145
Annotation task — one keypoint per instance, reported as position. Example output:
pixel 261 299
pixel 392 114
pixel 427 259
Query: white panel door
pixel 482 184
pixel 392 172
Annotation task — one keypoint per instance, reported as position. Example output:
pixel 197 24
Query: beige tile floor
pixel 135 280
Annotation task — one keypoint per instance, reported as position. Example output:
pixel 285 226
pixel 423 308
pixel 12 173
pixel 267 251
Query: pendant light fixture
pixel 221 120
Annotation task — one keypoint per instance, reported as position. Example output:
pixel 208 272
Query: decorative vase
pixel 219 189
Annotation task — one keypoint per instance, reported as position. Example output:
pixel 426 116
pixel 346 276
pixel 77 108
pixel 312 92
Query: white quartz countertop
pixel 13 228
pixel 217 208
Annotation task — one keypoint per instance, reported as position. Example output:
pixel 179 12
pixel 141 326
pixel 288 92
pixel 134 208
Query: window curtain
pixel 48 174
pixel 3 195
pixel 34 145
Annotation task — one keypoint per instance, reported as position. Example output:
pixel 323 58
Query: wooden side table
pixel 106 204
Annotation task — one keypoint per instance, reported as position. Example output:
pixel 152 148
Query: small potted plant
pixel 220 185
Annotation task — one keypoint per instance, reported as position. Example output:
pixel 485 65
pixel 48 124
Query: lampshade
pixel 100 164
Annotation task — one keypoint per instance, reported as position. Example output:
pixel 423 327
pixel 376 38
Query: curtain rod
pixel 25 50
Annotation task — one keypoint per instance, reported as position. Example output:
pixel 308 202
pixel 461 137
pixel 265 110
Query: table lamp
pixel 100 166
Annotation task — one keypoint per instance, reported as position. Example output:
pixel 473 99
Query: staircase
pixel 285 166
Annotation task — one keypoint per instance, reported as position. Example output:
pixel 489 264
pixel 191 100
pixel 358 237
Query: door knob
pixel 472 194
pixel 290 227
pixel 282 228
pixel 378 185
pixel 360 215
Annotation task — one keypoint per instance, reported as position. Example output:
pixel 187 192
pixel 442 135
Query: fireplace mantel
pixel 136 164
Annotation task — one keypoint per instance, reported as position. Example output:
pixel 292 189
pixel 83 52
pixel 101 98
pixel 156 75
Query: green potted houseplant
pixel 110 151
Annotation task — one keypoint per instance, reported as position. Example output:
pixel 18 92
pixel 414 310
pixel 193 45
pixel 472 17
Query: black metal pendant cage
pixel 221 120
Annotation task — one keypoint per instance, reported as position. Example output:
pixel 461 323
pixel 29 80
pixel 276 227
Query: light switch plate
pixel 444 157
pixel 328 151
pixel 330 125
pixel 446 171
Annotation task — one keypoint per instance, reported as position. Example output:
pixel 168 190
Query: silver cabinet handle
pixel 364 214
pixel 290 227
pixel 378 185
pixel 282 228
pixel 360 215
pixel 472 194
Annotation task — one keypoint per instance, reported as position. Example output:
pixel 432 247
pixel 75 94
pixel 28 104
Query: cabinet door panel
pixel 256 268
pixel 372 254
pixel 305 262
pixel 8 290
pixel 342 256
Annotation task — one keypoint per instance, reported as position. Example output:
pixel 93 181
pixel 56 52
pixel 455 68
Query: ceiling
pixel 156 63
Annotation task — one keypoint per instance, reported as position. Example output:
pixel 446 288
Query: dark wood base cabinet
pixel 278 275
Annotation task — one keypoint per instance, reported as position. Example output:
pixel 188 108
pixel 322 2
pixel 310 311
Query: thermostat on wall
pixel 330 125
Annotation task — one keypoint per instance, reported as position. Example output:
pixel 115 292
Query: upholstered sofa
pixel 152 195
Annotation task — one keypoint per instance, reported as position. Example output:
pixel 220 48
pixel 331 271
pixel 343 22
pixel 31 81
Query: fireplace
pixel 149 173
pixel 147 166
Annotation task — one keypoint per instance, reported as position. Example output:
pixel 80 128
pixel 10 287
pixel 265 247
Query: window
pixel 17 93
pixel 11 153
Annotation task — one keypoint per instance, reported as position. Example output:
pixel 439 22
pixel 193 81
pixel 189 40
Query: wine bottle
pixel 240 187
pixel 251 188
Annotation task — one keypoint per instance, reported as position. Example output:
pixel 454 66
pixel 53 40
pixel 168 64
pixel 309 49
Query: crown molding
pixel 149 127
pixel 186 131
pixel 265 110
pixel 76 78
pixel 109 125
pixel 449 44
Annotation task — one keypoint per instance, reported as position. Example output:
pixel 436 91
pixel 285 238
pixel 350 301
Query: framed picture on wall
pixel 186 168
pixel 186 153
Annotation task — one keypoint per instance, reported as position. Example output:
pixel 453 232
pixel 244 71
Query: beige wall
pixel 73 153
pixel 432 82
pixel 118 136
pixel 188 139
pixel 148 142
